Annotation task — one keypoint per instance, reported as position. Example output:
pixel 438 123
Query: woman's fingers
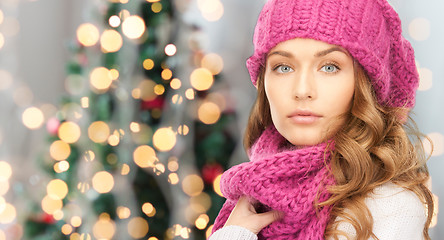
pixel 245 215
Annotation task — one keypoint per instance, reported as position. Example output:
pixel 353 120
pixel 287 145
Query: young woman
pixel 331 153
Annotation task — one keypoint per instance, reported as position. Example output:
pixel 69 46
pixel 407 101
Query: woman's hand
pixel 244 215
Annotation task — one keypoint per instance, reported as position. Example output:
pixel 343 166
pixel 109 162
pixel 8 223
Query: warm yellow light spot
pixel 87 34
pixel 89 156
pixel 114 21
pixel 152 1
pixel 124 1
pixel 183 129
pixel 153 238
pixel 177 99
pixel 167 74
pixel 164 139
pixel 189 94
pixel 135 127
pixel 104 228
pixel 209 231
pixel 113 140
pixel 175 83
pixel 192 185
pixel 173 166
pixel 66 229
pixel 5 171
pixel 213 62
pixel 100 78
pixel 76 221
pixel 216 185
pixel 57 189
pixel 123 212
pixel 159 89
pixel 84 102
pixel 103 182
pixel 114 74
pixel 201 79
pixel 209 113
pixel 59 150
pixel 124 14
pixel 58 214
pixel 202 221
pixel 185 232
pixel 61 166
pixel 148 64
pixel 51 205
pixel 159 168
pixel 125 169
pixel 156 7
pixel 173 178
pixel 212 10
pixel 33 118
pixel 2 41
pixel 74 236
pixel 111 41
pixel 136 93
pixel 4 187
pixel 145 156
pixel 170 49
pixel 98 132
pixel 8 214
pixel 138 227
pixel 133 27
pixel 149 209
pixel 147 90
pixel 83 187
pixel 69 132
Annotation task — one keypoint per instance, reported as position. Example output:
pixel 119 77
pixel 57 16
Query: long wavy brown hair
pixel 375 145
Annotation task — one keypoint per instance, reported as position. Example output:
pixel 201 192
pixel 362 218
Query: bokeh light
pixel 149 209
pixel 209 113
pixel 103 182
pixel 438 144
pixel 164 139
pixel 33 118
pixel 173 178
pixel 57 189
pixel 59 150
pixel 426 79
pixel 69 132
pixel 167 74
pixel 123 212
pixel 5 171
pixel 216 185
pixel 189 94
pixel 192 185
pixel 88 34
pixel 98 132
pixel 133 27
pixel 104 228
pixel 76 221
pixel 175 83
pixel 419 29
pixel 148 64
pixel 170 49
pixel 145 156
pixel 2 40
pixel 202 221
pixel 8 214
pixel 213 62
pixel 50 205
pixel 147 90
pixel 212 10
pixel 61 166
pixel 114 21
pixel 138 227
pixel 201 79
pixel 111 41
pixel 101 78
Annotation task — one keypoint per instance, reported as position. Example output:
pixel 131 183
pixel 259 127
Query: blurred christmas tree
pixel 134 151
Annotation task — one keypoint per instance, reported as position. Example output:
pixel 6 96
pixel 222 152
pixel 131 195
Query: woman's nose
pixel 304 86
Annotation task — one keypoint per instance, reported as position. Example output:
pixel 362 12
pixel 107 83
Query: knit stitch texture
pixel 288 180
pixel 369 29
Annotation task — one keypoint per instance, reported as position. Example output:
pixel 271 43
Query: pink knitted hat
pixel 369 29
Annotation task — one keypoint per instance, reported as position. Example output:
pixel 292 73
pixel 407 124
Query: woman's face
pixel 308 84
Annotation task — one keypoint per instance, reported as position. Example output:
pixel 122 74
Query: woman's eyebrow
pixel 319 54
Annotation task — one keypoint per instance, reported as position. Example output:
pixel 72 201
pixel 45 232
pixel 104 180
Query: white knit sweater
pixel 397 214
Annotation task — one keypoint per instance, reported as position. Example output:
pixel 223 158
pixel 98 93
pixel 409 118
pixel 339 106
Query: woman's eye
pixel 283 69
pixel 330 68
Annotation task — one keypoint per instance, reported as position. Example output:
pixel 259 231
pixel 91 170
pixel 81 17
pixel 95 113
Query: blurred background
pixel 119 116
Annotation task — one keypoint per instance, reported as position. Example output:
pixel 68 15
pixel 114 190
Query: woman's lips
pixel 304 117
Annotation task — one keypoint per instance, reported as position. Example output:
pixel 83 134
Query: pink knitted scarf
pixel 288 180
